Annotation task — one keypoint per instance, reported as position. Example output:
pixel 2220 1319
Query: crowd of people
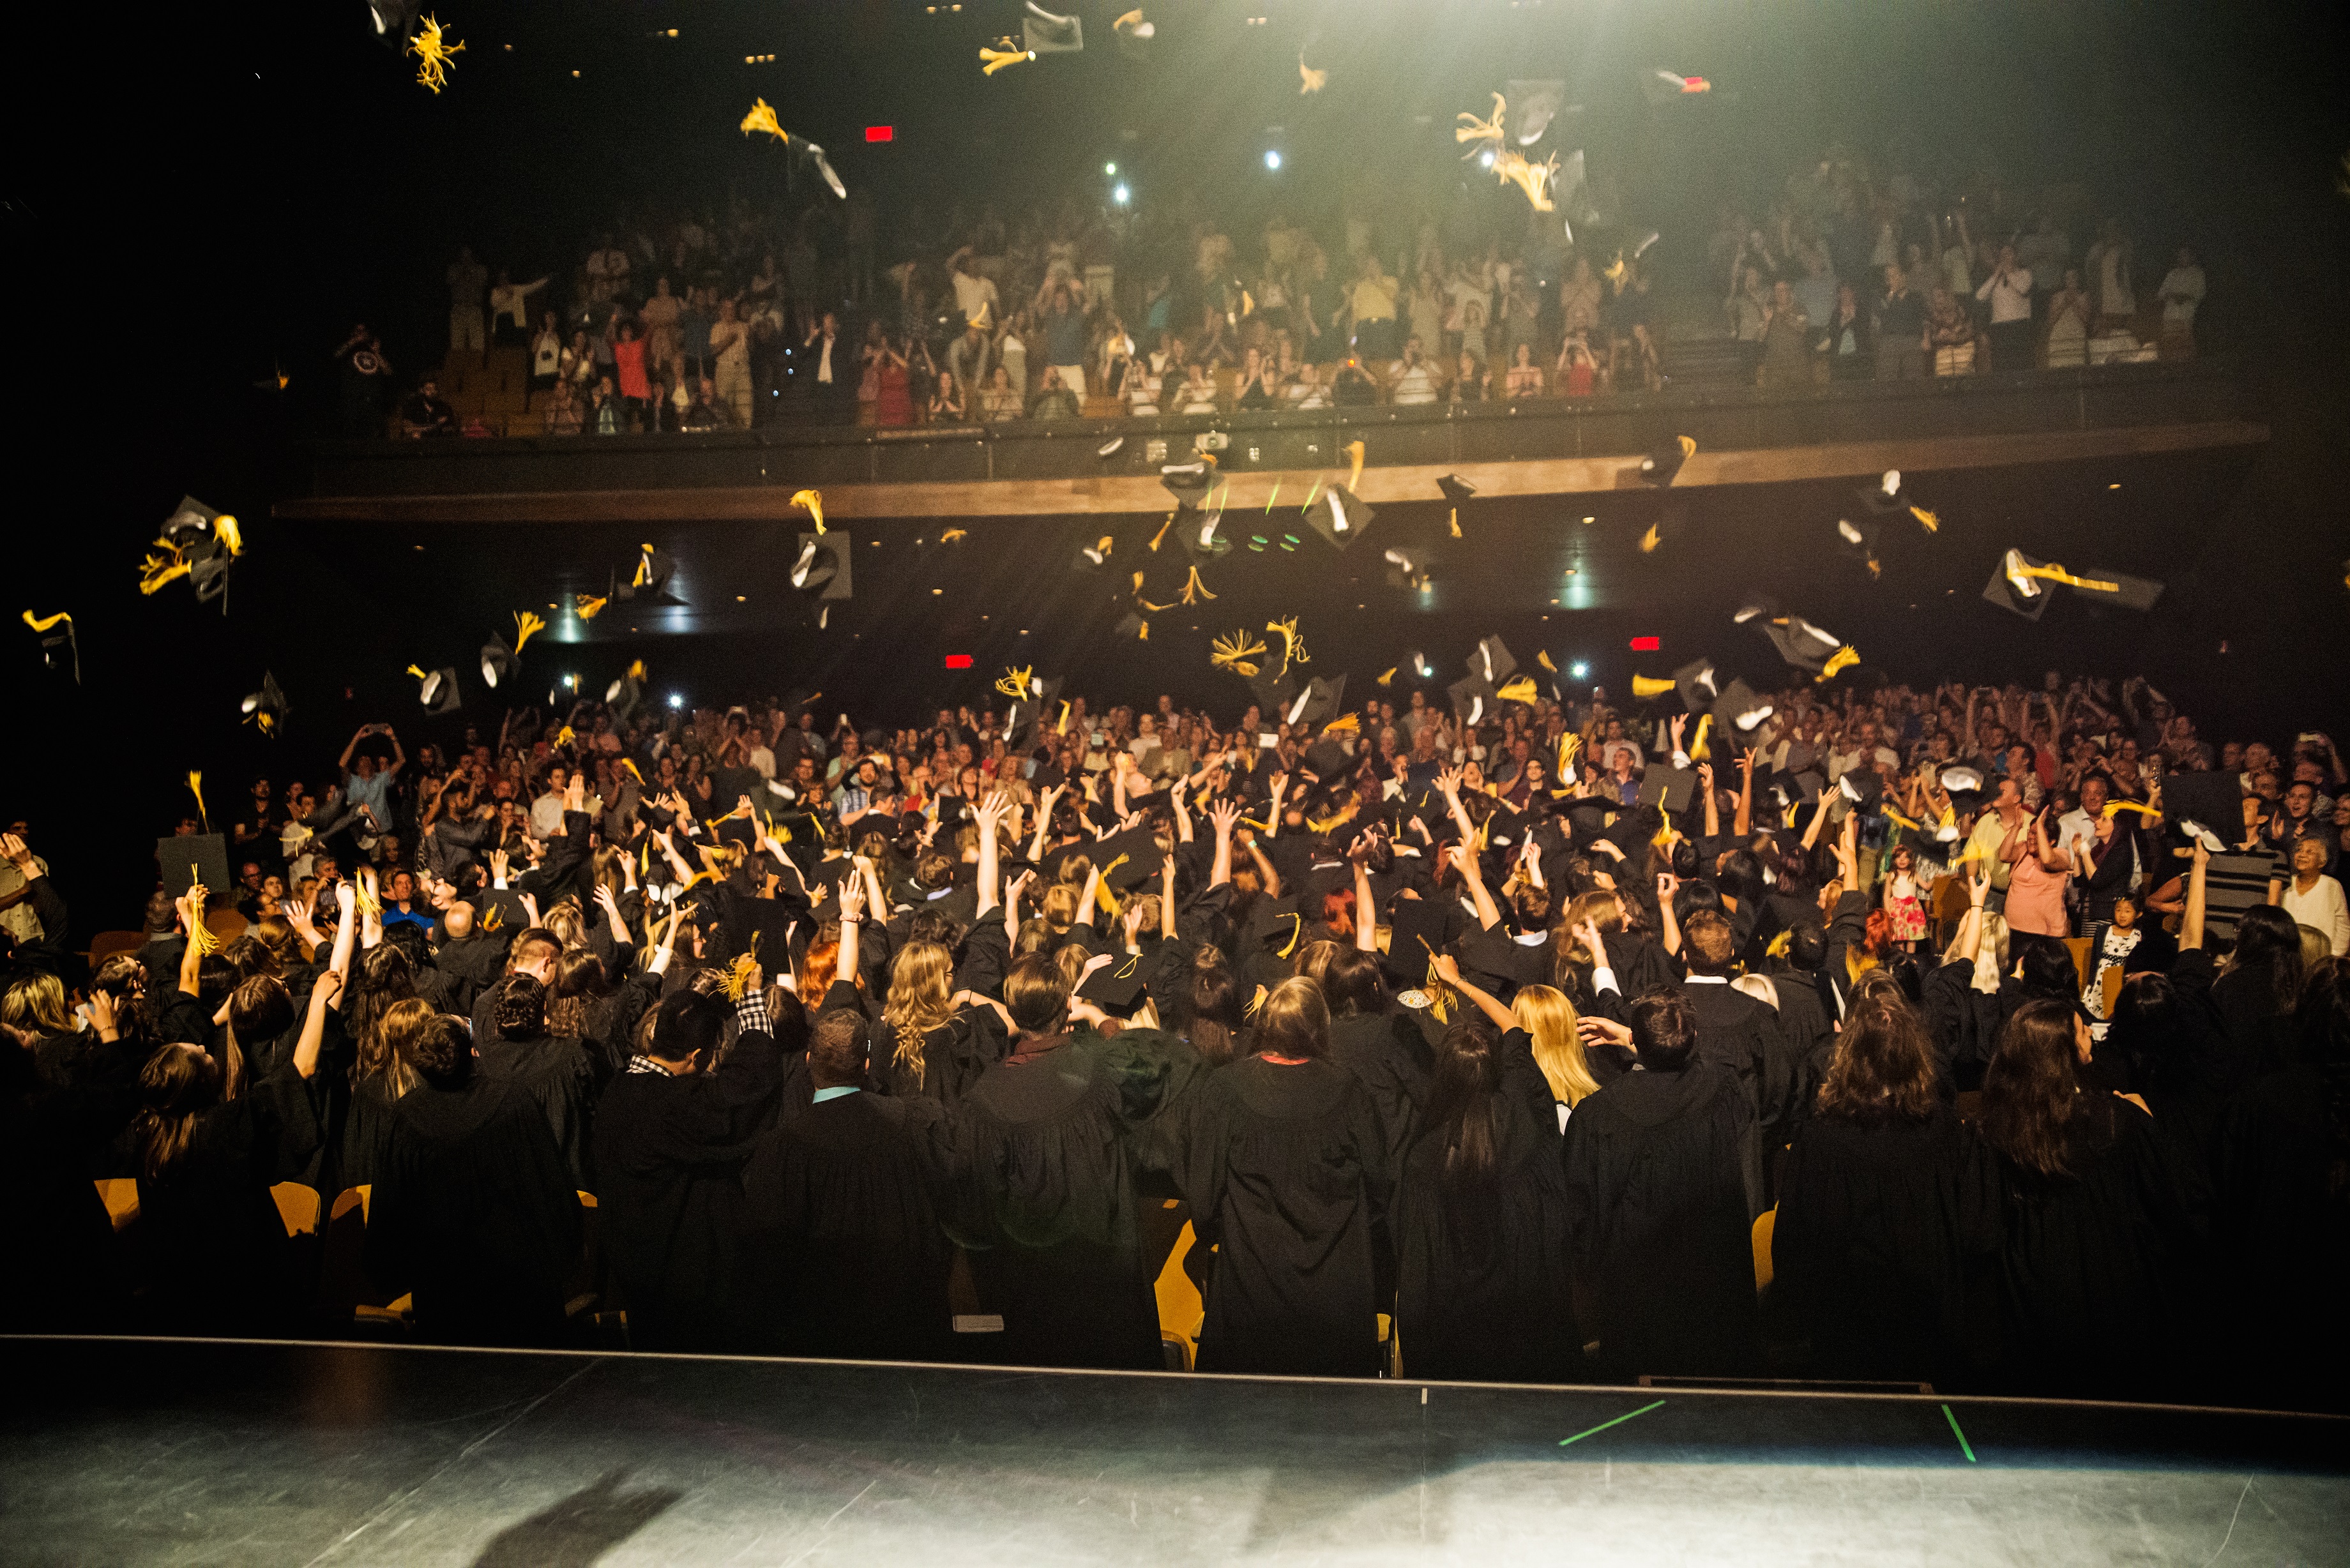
pixel 707 322
pixel 1506 1020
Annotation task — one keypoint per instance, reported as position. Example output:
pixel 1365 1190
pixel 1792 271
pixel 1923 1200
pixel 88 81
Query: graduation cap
pixel 2014 587
pixel 825 563
pixel 394 20
pixel 1760 608
pixel 1118 986
pixel 1456 489
pixel 627 694
pixel 1406 569
pixel 266 708
pixel 1740 710
pixel 1801 644
pixel 1695 682
pixel 1273 695
pixel 1134 34
pixel 1416 662
pixel 1858 540
pixel 1339 515
pixel 1863 789
pixel 1670 788
pixel 439 691
pixel 1026 715
pixel 190 522
pixel 1327 760
pixel 1492 661
pixel 1134 626
pixel 2213 801
pixel 59 649
pixel 1662 462
pixel 1045 34
pixel 1415 933
pixel 1127 859
pixel 1318 703
pixel 1532 106
pixel 498 661
pixel 1965 788
pixel 1109 448
pixel 1473 698
pixel 1187 482
pixel 654 568
pixel 813 156
pixel 1093 556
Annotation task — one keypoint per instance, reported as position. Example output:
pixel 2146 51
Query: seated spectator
pixel 2182 296
pixel 1950 335
pixel 1254 388
pixel 1578 368
pixel 1305 390
pixel 1198 393
pixel 545 355
pixel 1850 354
pixel 426 414
pixel 1409 379
pixel 1470 381
pixel 2068 323
pixel 1001 401
pixel 1786 339
pixel 947 406
pixel 1352 387
pixel 1524 378
pixel 1054 400
pixel 602 414
pixel 1141 389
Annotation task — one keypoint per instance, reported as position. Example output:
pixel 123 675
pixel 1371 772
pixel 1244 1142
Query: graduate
pixel 1285 1163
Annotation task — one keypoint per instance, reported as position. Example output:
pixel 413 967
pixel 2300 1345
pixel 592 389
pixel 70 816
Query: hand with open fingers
pixel 1598 1030
pixel 346 898
pixel 1223 813
pixel 852 898
pixel 1092 963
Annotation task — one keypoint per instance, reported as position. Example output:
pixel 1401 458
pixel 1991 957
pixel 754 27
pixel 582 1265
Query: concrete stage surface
pixel 134 1451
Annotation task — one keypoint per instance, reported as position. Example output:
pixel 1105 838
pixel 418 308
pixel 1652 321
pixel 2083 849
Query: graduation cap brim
pixel 1802 646
pixel 1455 488
pixel 2212 799
pixel 1474 699
pixel 1323 699
pixel 1661 463
pixel 832 573
pixel 208 570
pixel 1692 682
pixel 1670 788
pixel 439 693
pixel 1339 515
pixel 1127 859
pixel 1737 699
pixel 1327 761
pixel 392 21
pixel 1493 662
pixel 497 662
pixel 1863 790
pixel 1118 987
pixel 1186 482
pixel 2128 592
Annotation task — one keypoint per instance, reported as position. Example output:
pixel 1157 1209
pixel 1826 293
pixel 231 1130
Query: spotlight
pixel 675 701
pixel 1578 669
pixel 1110 169
pixel 1485 160
pixel 1273 157
pixel 1122 195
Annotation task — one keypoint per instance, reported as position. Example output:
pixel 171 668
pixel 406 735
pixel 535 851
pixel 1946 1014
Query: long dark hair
pixel 2267 937
pixel 2031 1093
pixel 1883 1066
pixel 1464 1101
pixel 579 980
pixel 1211 1012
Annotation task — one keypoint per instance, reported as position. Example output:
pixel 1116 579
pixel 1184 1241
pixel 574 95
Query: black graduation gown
pixel 669 1152
pixel 2096 1266
pixel 57 1240
pixel 1390 1058
pixel 1885 1243
pixel 475 1214
pixel 1482 1269
pixel 218 1257
pixel 843 1236
pixel 1660 1218
pixel 2284 1224
pixel 474 964
pixel 563 1075
pixel 1286 1169
pixel 1045 1181
pixel 953 1056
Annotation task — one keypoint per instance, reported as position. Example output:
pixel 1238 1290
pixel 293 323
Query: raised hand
pixel 1224 813
pixel 1447 781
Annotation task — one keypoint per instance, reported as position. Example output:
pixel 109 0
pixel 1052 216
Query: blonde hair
pixel 1059 908
pixel 1551 1021
pixel 569 926
pixel 36 1002
pixel 1991 954
pixel 921 980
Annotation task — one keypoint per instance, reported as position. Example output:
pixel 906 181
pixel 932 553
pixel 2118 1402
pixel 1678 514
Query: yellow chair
pixel 121 1194
pixel 1181 1312
pixel 1765 1225
pixel 298 1206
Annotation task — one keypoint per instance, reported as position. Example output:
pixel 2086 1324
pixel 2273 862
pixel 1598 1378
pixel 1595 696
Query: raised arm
pixel 1167 899
pixel 2190 923
pixel 326 993
pixel 1366 935
pixel 1464 856
pixel 192 958
pixel 1743 824
pixel 1223 813
pixel 852 920
pixel 345 929
pixel 991 814
pixel 1819 820
pixel 1485 1000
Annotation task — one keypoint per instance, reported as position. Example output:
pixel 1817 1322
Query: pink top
pixel 2035 898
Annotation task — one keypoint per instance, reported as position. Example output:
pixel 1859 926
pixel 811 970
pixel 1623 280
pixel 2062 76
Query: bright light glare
pixel 1273 157
pixel 1485 160
pixel 675 701
pixel 1578 669
pixel 1111 168
pixel 1122 195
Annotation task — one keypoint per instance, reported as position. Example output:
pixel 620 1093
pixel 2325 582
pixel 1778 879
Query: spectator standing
pixel 2068 323
pixel 660 314
pixel 1064 338
pixel 730 351
pixel 629 360
pixel 970 357
pixel 1850 353
pixel 2009 289
pixel 1786 339
pixel 825 362
pixel 1950 335
pixel 510 309
pixel 545 354
pixel 2109 270
pixel 1371 306
pixel 467 279
pixel 363 377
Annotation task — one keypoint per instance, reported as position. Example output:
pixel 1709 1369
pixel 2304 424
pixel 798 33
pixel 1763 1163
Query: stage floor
pixel 133 1452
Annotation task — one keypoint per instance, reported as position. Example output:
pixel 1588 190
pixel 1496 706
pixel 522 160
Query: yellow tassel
pixel 1195 589
pixel 1236 653
pixel 526 623
pixel 812 503
pixel 1102 895
pixel 1697 747
pixel 1650 540
pixel 1355 453
pixel 1842 659
pixel 566 735
pixel 42 623
pixel 2114 808
pixel 1456 521
pixel 1014 684
pixel 1293 644
pixel 1645 686
pixel 1308 78
pixel 1522 690
pixel 1004 54
pixel 225 530
pixel 762 117
pixel 630 763
pixel 1932 523
pixel 196 788
pixel 433 57
pixel 588 606
pixel 1389 678
pixel 1062 726
pixel 954 535
pixel 1162 531
pixel 1297 930
pixel 738 975
pixel 1346 724
pixel 161 569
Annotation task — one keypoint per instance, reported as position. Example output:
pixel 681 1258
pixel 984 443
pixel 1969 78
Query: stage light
pixel 958 661
pixel 676 700
pixel 1273 157
pixel 1122 195
pixel 1646 644
pixel 1485 160
pixel 1111 168
pixel 1579 670
pixel 571 680
pixel 881 134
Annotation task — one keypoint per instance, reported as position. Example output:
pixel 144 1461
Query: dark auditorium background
pixel 223 191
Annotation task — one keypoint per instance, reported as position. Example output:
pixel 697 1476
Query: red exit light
pixel 958 661
pixel 1645 645
pixel 881 134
